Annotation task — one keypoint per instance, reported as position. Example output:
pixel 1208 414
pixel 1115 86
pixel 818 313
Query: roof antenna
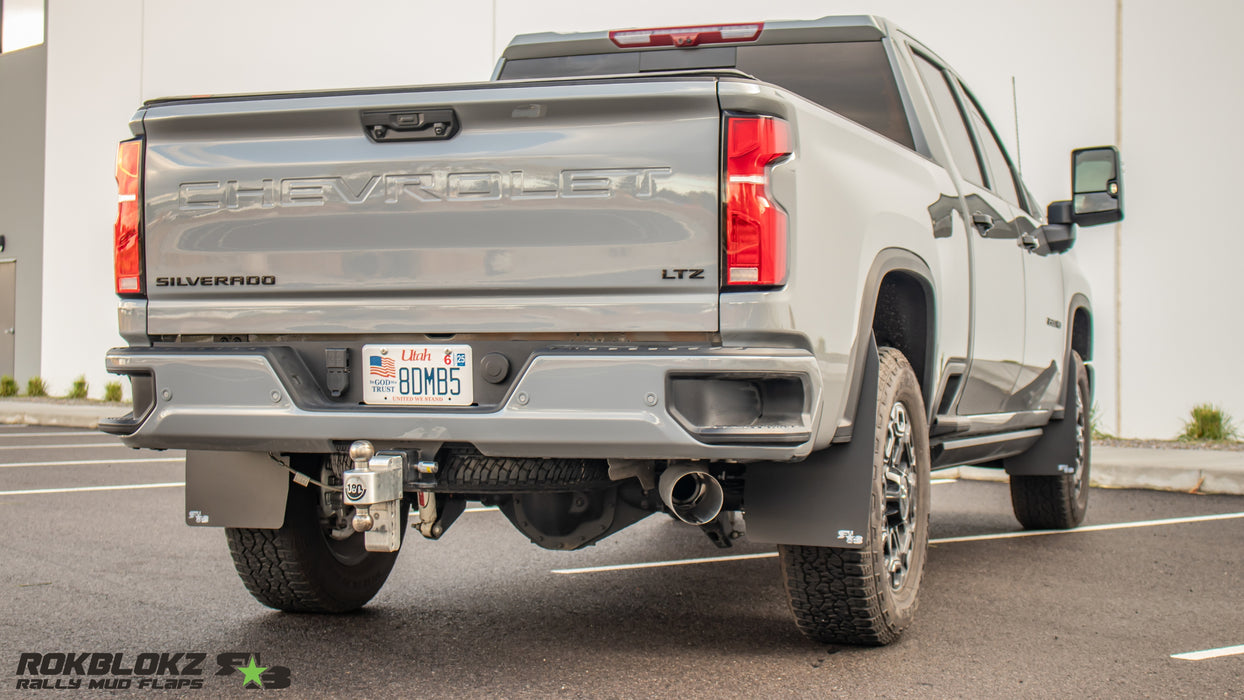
pixel 1019 156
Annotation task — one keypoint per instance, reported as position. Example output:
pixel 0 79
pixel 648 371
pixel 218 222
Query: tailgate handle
pixel 384 125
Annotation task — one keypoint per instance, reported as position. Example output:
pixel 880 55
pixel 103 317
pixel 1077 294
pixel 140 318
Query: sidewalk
pixel 1156 468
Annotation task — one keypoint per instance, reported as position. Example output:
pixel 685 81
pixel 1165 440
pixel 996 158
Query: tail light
pixel 755 225
pixel 686 37
pixel 128 262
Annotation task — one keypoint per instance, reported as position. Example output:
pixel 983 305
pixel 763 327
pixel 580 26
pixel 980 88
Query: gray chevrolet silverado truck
pixel 761 276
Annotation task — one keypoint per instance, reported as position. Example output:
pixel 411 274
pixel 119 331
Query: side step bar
pixel 982 448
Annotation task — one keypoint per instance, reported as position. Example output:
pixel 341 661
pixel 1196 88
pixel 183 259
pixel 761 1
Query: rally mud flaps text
pixel 145 671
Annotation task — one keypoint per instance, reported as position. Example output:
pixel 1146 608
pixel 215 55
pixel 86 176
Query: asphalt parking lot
pixel 1100 612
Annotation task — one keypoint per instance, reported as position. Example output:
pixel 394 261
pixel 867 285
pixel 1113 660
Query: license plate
pixel 418 375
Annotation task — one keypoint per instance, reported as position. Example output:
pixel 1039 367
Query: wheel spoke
pixel 1081 419
pixel 898 464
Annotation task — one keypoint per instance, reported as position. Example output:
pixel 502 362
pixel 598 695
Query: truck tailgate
pixel 554 207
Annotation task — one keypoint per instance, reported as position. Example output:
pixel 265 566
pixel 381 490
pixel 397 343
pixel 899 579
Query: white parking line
pixel 655 564
pixel 77 489
pixel 67 433
pixel 81 462
pixel 1210 653
pixel 942 540
pixel 61 447
pixel 1092 528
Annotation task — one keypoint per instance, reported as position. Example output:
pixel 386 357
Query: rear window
pixel 853 79
pixel 571 66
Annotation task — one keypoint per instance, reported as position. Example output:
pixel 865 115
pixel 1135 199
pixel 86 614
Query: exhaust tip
pixel 691 494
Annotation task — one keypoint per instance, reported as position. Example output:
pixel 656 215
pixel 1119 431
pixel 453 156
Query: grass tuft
pixel 79 389
pixel 1209 424
pixel 35 386
pixel 8 386
pixel 112 392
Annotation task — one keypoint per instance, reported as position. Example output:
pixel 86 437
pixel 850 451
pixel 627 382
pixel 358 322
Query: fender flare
pixel 888 260
pixel 1078 301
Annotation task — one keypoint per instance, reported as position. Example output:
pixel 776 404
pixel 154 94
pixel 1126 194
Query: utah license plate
pixel 418 375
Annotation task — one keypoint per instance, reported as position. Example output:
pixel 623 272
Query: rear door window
pixel 958 139
pixel 999 167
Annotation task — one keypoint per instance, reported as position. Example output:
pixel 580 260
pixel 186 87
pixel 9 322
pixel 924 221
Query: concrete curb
pixel 1156 469
pixel 56 414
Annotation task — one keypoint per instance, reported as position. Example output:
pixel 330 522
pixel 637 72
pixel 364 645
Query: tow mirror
pixel 1096 186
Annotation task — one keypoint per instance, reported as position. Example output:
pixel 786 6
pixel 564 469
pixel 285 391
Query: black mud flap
pixel 823 501
pixel 235 489
pixel 1054 453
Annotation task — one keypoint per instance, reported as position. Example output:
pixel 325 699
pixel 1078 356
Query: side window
pixel 948 114
pixel 999 166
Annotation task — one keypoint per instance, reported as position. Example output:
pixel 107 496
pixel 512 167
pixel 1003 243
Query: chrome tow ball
pixel 374 488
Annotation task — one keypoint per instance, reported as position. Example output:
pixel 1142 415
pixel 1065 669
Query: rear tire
pixel 301 567
pixel 1059 502
pixel 869 596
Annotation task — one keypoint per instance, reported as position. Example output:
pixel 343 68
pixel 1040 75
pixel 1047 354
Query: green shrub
pixel 79 388
pixel 1209 423
pixel 8 386
pixel 112 391
pixel 35 386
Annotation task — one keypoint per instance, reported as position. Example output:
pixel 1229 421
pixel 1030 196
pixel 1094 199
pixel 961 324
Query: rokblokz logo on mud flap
pixel 181 670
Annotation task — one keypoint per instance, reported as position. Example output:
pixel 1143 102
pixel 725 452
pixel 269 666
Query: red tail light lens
pixel 128 262
pixel 755 225
pixel 686 36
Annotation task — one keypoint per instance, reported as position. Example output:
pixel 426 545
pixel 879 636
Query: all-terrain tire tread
pixel 270 569
pixel 1048 502
pixel 834 592
pixel 831 598
pixel 296 569
pixel 1042 502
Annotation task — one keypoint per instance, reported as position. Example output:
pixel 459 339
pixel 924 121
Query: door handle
pixel 982 222
pixel 10 331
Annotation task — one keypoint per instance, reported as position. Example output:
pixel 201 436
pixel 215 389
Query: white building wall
pixel 93 88
pixel 1182 242
pixel 1061 52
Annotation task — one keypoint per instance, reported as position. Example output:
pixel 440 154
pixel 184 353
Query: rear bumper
pixel 610 404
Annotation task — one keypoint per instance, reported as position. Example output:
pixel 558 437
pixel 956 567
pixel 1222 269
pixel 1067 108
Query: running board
pixel 982 448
